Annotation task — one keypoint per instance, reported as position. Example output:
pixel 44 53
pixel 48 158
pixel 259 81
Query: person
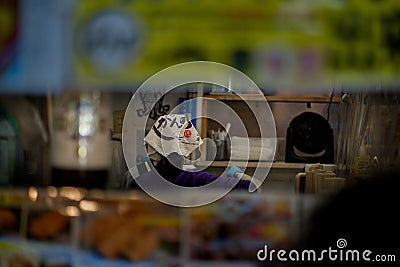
pixel 363 217
pixel 172 139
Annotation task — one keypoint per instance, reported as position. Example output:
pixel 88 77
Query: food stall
pixel 300 98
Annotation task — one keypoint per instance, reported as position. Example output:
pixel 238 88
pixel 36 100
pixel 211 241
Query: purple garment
pixel 200 178
pixel 194 178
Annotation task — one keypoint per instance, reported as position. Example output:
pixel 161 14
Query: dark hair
pixel 168 170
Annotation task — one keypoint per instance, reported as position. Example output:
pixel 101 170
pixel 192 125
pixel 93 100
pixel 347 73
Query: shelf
pixel 252 164
pixel 251 97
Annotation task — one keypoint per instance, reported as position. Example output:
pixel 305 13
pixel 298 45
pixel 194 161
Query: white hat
pixel 173 133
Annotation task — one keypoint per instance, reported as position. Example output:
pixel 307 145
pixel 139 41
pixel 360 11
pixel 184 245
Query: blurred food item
pixel 47 225
pixel 145 242
pixel 235 228
pixel 16 252
pixel 133 232
pixel 275 232
pixel 7 220
pixel 20 261
pixel 122 235
pixel 113 240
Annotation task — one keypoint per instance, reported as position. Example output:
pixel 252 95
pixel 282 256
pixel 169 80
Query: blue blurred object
pixel 233 170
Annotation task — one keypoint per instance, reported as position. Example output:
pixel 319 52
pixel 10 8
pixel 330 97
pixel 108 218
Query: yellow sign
pixel 295 42
pixel 362 167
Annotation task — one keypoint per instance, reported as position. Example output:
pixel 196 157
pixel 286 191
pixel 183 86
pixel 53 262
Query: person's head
pixel 364 215
pixel 169 141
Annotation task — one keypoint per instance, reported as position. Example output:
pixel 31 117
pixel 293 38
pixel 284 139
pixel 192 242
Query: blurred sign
pixel 282 44
pixel 119 44
pixel 106 41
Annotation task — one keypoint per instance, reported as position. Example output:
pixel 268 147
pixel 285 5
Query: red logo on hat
pixel 187 133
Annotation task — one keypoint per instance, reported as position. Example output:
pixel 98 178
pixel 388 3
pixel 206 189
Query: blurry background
pixel 51 51
pixel 68 70
pixel 47 46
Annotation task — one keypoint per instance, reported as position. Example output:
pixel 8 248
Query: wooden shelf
pixel 251 97
pixel 252 164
